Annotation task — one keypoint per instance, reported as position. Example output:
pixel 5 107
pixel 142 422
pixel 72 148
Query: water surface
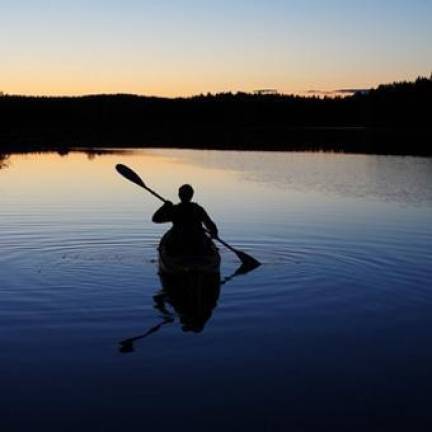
pixel 333 329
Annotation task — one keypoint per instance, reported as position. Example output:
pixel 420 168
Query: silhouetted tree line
pixel 393 119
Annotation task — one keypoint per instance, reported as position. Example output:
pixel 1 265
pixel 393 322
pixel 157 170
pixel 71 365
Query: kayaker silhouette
pixel 190 222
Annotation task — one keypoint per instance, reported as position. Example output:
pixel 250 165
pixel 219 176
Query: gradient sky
pixel 184 47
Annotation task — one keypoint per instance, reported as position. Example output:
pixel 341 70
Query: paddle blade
pixel 129 174
pixel 248 262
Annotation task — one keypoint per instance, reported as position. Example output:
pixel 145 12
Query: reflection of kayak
pixel 193 295
pixel 206 262
pixel 189 296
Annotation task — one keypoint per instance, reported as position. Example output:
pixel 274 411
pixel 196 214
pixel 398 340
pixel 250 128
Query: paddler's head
pixel 185 193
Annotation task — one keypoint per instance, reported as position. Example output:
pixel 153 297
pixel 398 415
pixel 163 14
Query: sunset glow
pixel 181 48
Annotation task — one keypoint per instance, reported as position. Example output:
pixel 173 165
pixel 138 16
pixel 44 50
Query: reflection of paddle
pixel 127 345
pixel 242 270
pixel 247 260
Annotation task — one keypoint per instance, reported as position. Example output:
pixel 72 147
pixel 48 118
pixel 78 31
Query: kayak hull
pixel 208 262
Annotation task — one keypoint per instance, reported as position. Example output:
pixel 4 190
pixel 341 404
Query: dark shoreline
pixel 393 119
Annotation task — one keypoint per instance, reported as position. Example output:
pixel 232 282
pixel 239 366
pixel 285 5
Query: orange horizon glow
pixel 63 87
pixel 184 48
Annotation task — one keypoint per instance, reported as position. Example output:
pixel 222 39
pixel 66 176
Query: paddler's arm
pixel 209 224
pixel 164 214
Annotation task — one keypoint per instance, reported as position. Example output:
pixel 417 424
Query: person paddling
pixel 188 234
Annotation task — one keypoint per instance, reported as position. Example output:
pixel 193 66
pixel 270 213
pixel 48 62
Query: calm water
pixel 333 330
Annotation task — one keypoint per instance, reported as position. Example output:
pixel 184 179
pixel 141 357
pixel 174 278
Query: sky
pixel 186 47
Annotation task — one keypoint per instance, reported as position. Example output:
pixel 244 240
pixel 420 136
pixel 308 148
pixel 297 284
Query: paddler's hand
pixel 168 204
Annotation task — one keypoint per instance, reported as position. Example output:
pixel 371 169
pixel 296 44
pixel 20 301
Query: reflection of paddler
pixel 189 296
pixel 193 297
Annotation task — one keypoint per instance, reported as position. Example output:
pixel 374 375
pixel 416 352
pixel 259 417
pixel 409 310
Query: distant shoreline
pixel 392 119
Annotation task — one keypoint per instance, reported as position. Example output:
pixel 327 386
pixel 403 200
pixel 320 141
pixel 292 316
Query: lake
pixel 332 332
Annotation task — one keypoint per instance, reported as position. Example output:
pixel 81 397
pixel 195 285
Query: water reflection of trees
pixel 63 152
pixel 3 160
pixel 90 153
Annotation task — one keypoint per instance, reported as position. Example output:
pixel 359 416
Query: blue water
pixel 332 332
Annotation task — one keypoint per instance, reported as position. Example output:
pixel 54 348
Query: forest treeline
pixel 391 119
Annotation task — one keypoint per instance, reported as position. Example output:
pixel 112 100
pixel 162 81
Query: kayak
pixel 207 262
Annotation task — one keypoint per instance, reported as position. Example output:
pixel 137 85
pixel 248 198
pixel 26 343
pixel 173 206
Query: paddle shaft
pixel 226 244
pixel 154 193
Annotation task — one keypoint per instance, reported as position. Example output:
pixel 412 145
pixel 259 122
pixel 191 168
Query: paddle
pixel 126 172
